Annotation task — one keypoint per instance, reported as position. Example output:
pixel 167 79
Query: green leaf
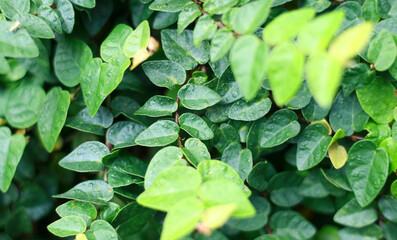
pixel 248 58
pixel 91 191
pixel 393 189
pixel 112 46
pixel 312 146
pixel 249 17
pixel 323 75
pixel 353 215
pixel 284 189
pixel 108 212
pixel 187 212
pixel 179 48
pixel 195 126
pixel 123 133
pixel 217 170
pixel 11 150
pixel 388 207
pixel 160 133
pixel 189 13
pixel 350 42
pixel 382 51
pixel 252 110
pixel 51 17
pixel 367 168
pixel 204 29
pixel 17 44
pixel 164 73
pixel 158 106
pixel 218 7
pixel 260 175
pixel 84 3
pixel 197 97
pixel 220 191
pixel 312 186
pixel 118 178
pixel 285 70
pixel 52 116
pixel 221 43
pixel 380 111
pixel 163 159
pixel 23 106
pixel 86 211
pixel 128 164
pixel 280 127
pixel 96 125
pixel 71 57
pixel 67 226
pixel 346 113
pixel 318 33
pixel 102 230
pixel 390 147
pixel 313 111
pixel 170 186
pixel 90 84
pixel 195 151
pixel 370 11
pixel 131 219
pixel 168 5
pixel 291 225
pixel 280 29
pixel 371 232
pixel 65 14
pixel 35 26
pixel 137 39
pixel 86 158
pixel 240 159
pixel 14 7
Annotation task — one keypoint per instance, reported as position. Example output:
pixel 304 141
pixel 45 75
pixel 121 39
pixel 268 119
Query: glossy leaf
pixel 195 126
pixel 123 133
pixel 284 189
pixel 252 110
pixel 195 151
pixel 86 211
pixel 353 215
pixel 164 73
pixel 292 225
pixel 197 97
pixel 17 44
pixel 240 159
pixel 67 226
pixel 137 40
pixel 160 133
pixel 97 124
pixel 382 51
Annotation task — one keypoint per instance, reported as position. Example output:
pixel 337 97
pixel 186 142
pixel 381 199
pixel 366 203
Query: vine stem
pixel 179 140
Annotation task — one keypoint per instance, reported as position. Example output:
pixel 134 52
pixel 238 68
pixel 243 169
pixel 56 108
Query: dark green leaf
pixel 164 73
pixel 284 189
pixel 195 126
pixel 97 124
pixel 123 134
pixel 160 133
pixel 240 159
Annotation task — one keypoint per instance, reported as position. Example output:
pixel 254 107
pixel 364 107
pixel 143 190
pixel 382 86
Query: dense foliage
pixel 189 119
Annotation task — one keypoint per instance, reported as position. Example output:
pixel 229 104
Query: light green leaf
pixel 112 46
pixel 92 191
pixel 163 159
pixel 312 146
pixel 52 116
pixel 219 191
pixel 323 75
pixel 123 133
pixel 248 58
pixel 102 230
pixel 14 7
pixel 367 168
pixel 347 114
pixel 280 29
pixel 195 126
pixel 137 39
pixel 179 48
pixel 97 124
pixel 17 44
pixel 280 127
pixel 393 189
pixel 353 215
pixel 218 7
pixel 189 13
pixel 221 43
pixel 160 133
pixel 187 212
pixel 168 5
pixel 249 17
pixel 240 159
pixel 35 26
pixel 197 97
pixel 390 147
pixel 164 73
pixel 23 105
pixel 369 98
pixel 67 226
pixel 170 186
pixel 382 51
pixel 318 33
pixel 11 150
pixel 71 57
pixel 86 211
pixel 285 70
pixel 86 158
pixel 350 42
pixel 252 110
pixel 195 151
pixel 204 29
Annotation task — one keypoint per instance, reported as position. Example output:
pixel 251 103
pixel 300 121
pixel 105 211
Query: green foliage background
pixel 208 120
